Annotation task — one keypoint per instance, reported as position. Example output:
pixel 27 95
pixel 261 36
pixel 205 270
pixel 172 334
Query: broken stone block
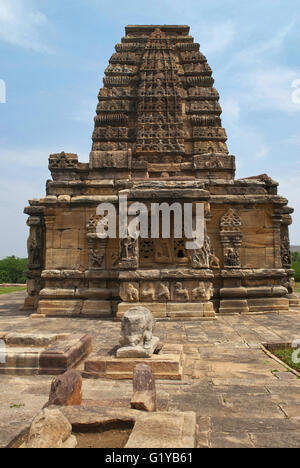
pixel 66 390
pixel 51 429
pixel 137 338
pixel 144 391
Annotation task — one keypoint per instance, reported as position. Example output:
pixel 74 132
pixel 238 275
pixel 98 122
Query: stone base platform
pixel 254 305
pixel 29 354
pixel 74 308
pixel 165 365
pixel 173 310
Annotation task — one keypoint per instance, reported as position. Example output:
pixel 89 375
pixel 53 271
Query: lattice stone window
pixel 146 251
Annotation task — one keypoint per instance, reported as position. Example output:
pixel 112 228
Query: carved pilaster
pixel 277 219
pixel 285 251
pixel 96 245
pixel 231 238
pixel 35 244
pixel 35 247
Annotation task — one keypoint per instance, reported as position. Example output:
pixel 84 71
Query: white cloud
pixel 261 82
pixel 259 51
pixel 20 24
pixel 215 37
pixel 270 89
pixel 262 152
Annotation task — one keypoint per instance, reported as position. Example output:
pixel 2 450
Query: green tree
pixel 13 270
pixel 295 257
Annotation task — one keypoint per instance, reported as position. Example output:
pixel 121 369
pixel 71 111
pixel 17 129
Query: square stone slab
pixel 164 365
pixel 138 351
pixel 27 354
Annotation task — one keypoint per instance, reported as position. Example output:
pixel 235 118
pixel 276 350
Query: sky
pixel 53 54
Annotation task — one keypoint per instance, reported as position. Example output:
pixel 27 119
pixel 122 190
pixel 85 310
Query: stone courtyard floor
pixel 242 397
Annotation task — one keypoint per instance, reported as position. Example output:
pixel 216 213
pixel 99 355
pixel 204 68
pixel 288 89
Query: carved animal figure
pixel 137 327
pixel 214 261
pixel 199 292
pixel 148 292
pixel 163 292
pixel 180 291
pixel 132 293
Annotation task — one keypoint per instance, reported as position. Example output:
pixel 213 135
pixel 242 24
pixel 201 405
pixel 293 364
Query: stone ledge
pixel 47 355
pixel 165 366
pixel 173 310
pixel 167 273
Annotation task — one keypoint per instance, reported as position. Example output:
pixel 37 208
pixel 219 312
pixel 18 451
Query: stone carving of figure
pixel 214 261
pixel 203 291
pixel 201 257
pixel 137 338
pixel 199 292
pixel 96 258
pixel 198 259
pixel 163 292
pixel 128 248
pixel 148 292
pixel 34 251
pixel 231 258
pixel 180 291
pixel 285 251
pixel 131 293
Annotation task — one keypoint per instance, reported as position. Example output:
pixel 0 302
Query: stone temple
pixel 158 137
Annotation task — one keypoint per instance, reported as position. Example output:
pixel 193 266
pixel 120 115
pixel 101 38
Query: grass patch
pixel 12 289
pixel 286 356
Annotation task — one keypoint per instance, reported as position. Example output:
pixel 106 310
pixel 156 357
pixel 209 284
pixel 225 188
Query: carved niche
pixel 96 246
pixel 129 253
pixel 231 238
pixel 35 243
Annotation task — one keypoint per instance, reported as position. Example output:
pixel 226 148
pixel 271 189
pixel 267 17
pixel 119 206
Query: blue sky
pixel 53 55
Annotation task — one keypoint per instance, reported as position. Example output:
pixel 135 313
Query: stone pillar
pixel 233 295
pixel 277 219
pixel 144 391
pixel 35 247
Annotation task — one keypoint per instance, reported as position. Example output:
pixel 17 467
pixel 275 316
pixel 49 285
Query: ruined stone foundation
pixel 158 137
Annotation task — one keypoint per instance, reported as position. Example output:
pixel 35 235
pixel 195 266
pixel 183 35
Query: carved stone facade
pixel 158 137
